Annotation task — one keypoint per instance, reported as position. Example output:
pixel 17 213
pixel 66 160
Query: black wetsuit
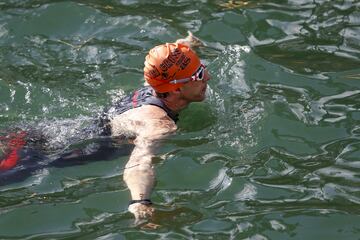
pixel 23 158
pixel 143 96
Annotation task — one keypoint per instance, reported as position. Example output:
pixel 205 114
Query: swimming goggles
pixel 197 76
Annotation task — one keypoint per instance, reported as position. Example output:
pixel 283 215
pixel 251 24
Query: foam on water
pixel 239 106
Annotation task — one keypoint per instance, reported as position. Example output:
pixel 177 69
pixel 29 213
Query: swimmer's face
pixel 194 91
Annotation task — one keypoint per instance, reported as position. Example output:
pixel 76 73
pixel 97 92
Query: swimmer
pixel 175 77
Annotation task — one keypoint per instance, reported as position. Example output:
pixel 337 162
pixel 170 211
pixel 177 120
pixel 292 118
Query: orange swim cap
pixel 168 62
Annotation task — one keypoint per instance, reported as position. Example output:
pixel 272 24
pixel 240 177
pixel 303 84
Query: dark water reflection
pixel 272 154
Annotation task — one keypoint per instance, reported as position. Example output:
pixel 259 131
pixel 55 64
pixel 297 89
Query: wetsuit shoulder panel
pixel 141 97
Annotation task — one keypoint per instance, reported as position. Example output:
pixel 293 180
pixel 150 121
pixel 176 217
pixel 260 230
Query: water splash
pixel 247 193
pixel 221 182
pixel 240 105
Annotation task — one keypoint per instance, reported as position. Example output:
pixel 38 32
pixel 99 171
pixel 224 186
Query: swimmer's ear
pixel 178 91
pixel 175 92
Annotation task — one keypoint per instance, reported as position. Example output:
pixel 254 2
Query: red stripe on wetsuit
pixel 135 99
pixel 15 142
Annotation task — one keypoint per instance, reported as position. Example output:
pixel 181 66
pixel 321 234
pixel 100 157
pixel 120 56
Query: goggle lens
pixel 199 75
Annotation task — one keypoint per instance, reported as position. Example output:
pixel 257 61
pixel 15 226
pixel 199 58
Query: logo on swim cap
pixel 168 62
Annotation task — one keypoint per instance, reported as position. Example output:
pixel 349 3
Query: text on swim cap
pixel 175 57
pixel 153 73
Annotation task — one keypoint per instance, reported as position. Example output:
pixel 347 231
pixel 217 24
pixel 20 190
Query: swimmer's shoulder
pixel 144 120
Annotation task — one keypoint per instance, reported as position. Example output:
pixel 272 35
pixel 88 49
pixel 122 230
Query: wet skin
pixel 194 91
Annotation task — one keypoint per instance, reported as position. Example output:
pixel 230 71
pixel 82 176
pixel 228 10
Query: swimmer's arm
pixel 139 174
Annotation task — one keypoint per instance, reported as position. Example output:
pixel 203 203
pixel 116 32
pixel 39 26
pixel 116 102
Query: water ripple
pixel 221 182
pixel 331 27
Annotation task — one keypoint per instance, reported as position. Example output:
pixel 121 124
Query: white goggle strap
pixel 184 80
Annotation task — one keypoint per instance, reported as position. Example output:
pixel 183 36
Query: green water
pixel 273 153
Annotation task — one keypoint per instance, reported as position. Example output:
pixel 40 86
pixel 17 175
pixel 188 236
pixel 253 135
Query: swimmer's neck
pixel 175 102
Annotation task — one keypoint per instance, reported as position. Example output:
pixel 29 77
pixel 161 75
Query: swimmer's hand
pixel 191 41
pixel 141 211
